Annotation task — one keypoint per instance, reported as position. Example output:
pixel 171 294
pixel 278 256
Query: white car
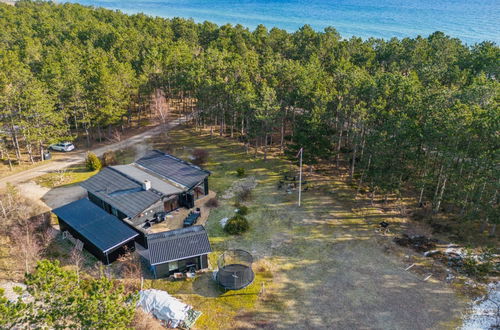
pixel 63 146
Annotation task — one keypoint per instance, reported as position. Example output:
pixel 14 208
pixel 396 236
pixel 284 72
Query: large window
pixel 174 265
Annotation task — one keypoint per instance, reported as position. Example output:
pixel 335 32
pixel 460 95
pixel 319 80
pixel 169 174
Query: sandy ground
pixel 176 218
pixel 51 198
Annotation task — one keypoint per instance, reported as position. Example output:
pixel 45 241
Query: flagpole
pixel 300 175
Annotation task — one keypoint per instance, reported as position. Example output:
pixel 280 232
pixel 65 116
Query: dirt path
pixel 77 157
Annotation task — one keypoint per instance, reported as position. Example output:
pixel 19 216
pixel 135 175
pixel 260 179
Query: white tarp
pixel 163 306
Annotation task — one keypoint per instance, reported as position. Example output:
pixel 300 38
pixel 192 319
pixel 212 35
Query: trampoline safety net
pixel 235 269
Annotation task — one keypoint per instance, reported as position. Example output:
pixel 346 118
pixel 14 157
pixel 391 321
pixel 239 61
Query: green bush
pixel 92 163
pixel 236 225
pixel 109 158
pixel 242 210
pixel 240 172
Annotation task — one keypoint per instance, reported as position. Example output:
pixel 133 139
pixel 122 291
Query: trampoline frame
pixel 238 274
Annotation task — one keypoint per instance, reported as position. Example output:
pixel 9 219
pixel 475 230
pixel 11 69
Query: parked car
pixel 63 146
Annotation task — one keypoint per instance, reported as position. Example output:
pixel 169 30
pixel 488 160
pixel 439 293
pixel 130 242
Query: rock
pixel 223 222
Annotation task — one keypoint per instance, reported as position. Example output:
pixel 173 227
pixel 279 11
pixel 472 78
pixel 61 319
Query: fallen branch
pixel 409 267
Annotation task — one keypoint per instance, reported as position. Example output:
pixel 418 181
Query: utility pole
pixel 301 151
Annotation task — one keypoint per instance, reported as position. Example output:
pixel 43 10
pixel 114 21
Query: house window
pixel 174 265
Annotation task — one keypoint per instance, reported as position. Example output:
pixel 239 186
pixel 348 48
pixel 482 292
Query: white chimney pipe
pixel 146 185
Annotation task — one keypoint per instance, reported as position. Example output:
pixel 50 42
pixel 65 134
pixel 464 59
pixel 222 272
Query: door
pixel 171 204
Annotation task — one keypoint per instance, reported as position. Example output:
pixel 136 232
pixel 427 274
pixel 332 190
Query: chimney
pixel 146 185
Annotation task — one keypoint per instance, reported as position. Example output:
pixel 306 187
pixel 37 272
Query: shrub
pixel 242 210
pixel 478 266
pixel 240 172
pixel 92 163
pixel 109 158
pixel 244 194
pixel 200 156
pixel 212 203
pixel 236 225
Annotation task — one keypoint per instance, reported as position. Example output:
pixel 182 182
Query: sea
pixel 472 21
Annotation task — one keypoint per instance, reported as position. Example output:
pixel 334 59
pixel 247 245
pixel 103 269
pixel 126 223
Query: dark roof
pixel 102 229
pixel 124 194
pixel 178 244
pixel 173 168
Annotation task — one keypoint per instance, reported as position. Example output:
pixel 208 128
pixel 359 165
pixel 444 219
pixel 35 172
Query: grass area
pixel 321 264
pixel 219 308
pixel 78 173
pixel 69 176
pixel 323 260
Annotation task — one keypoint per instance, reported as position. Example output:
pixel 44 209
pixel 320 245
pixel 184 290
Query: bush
pixel 109 158
pixel 244 194
pixel 236 225
pixel 200 156
pixel 212 203
pixel 92 163
pixel 242 210
pixel 240 172
pixel 480 265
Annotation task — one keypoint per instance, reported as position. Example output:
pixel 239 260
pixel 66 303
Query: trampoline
pixel 235 270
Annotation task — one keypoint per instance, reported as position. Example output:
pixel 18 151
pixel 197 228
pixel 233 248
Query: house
pixel 102 234
pixel 176 250
pixel 123 199
pixel 157 182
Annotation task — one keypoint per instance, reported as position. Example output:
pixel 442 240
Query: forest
pixel 415 114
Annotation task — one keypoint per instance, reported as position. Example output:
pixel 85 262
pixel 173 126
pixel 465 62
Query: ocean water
pixel 472 21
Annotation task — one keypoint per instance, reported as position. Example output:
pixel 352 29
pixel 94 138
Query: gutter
pixel 116 245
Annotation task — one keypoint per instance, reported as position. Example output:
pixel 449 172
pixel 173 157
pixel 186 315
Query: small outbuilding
pixel 102 234
pixel 176 251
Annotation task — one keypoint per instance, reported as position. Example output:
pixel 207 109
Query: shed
pixel 102 234
pixel 177 250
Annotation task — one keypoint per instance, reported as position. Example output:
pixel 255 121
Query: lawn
pixel 323 264
pixel 78 173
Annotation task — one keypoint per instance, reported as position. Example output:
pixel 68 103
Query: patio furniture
pixel 191 219
pixel 178 276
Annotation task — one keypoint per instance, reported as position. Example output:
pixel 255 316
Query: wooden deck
pixel 175 219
